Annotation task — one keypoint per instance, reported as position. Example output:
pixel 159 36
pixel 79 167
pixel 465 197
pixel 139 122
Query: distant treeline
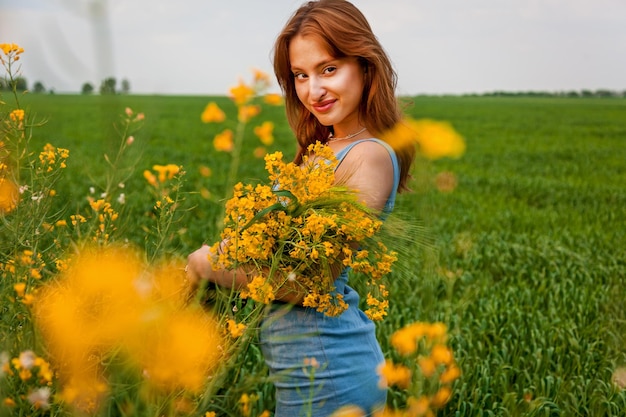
pixel 109 86
pixel 603 93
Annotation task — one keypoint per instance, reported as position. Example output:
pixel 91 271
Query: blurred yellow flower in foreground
pixel 392 374
pixel 109 303
pixel 9 195
pixel 212 113
pixel 177 349
pixel 93 304
pixel 426 369
pixel 435 139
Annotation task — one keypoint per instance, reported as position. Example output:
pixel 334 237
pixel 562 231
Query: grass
pixel 529 260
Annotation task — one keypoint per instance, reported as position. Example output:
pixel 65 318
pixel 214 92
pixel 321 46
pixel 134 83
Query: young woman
pixel 339 88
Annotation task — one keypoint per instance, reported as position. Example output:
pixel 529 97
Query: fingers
pixel 198 264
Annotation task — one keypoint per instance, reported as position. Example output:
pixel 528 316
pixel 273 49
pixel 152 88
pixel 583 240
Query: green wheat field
pixel 522 252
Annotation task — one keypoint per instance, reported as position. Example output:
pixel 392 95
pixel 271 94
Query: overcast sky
pixel 202 47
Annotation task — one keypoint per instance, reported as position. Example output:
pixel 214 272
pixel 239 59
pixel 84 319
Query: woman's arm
pixel 199 267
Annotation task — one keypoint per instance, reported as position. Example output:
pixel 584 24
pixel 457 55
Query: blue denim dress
pixel 344 348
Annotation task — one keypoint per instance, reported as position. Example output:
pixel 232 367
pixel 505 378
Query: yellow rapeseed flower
pixel 418 406
pixel 427 366
pixel 441 397
pixel 245 401
pixel 259 152
pixel 241 93
pixel 405 339
pixel 212 113
pixel 84 391
pixel 27 257
pixel 261 78
pixel 166 172
pixel 90 308
pixel 9 402
pixel 76 219
pixel 106 301
pixel 265 133
pixel 247 112
pixel 441 354
pixel 52 157
pixel 235 329
pixel 150 177
pixel 94 302
pixel 177 349
pixel 9 195
pixel 9 48
pixel 205 171
pixel 438 139
pixel 392 374
pixel 450 374
pixel 223 141
pixel 377 309
pixel 435 139
pixel 273 99
pixel 20 289
pixel 437 332
pixel 17 115
pixel 45 374
pixel 259 289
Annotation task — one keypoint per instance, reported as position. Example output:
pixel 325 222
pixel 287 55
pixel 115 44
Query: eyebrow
pixel 319 64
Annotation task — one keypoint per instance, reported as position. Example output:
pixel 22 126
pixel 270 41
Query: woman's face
pixel 330 88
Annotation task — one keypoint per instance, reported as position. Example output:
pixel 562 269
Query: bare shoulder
pixel 368 152
pixel 368 168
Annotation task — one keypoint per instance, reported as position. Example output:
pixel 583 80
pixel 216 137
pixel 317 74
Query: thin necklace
pixel 350 136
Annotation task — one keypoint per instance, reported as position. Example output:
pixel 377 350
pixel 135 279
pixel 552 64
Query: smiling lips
pixel 324 106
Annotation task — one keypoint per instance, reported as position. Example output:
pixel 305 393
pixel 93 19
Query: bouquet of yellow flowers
pixel 295 232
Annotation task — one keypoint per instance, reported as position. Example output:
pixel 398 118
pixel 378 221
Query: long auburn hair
pixel 345 32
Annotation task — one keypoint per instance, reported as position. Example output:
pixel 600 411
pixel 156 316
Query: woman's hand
pixel 199 266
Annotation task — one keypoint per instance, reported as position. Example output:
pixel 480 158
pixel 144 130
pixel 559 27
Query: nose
pixel 317 90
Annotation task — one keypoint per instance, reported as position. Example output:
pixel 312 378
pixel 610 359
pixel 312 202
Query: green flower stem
pixel 236 161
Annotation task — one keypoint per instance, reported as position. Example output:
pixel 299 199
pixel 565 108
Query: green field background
pixel 525 259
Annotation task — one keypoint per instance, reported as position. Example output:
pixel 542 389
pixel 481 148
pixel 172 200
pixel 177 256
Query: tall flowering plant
pixel 247 98
pixel 297 230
